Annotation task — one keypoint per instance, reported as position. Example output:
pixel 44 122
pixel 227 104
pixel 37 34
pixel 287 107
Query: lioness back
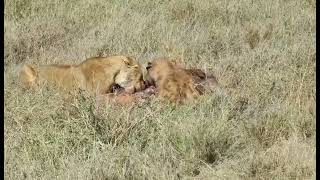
pixel 61 76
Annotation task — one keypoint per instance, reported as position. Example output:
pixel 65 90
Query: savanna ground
pixel 261 126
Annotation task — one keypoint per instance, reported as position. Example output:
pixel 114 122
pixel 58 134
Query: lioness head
pixel 158 68
pixel 130 76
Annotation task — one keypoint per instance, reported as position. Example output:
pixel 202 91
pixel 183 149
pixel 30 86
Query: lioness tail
pixel 28 75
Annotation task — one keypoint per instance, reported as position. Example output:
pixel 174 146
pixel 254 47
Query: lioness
pixel 172 82
pixel 96 75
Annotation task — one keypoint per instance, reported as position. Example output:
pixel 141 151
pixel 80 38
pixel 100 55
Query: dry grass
pixel 262 126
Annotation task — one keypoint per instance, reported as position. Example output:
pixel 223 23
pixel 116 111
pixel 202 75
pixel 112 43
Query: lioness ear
pixel 126 61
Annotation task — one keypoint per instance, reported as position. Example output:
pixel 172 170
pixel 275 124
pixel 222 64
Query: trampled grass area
pixel 261 126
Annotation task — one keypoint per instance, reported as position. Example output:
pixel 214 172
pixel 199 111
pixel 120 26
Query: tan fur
pixel 172 82
pixel 96 75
